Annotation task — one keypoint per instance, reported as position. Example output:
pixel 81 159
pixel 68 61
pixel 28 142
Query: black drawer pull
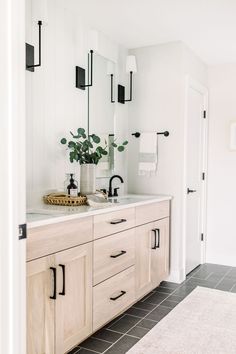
pixel 119 254
pixel 117 297
pixel 63 279
pixel 54 296
pixel 118 221
pixel 156 239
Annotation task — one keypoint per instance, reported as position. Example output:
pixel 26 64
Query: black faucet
pixel 110 192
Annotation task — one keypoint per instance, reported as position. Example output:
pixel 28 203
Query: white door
pixel 12 179
pixel 195 146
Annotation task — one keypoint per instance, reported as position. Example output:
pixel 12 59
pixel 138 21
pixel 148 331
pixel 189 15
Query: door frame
pixel 191 83
pixel 12 186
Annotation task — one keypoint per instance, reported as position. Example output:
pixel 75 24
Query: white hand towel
pixel 148 154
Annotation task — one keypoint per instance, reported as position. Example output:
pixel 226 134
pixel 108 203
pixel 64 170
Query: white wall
pixel 159 105
pixel 54 105
pixel 221 229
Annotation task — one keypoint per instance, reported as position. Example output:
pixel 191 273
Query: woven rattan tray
pixel 64 199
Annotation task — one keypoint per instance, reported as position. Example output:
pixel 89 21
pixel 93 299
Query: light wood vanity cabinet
pixel 102 265
pixel 113 254
pixel 40 308
pixel 73 306
pixel 152 255
pixel 59 300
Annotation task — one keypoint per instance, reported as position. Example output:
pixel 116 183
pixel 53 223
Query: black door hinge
pixel 202 237
pixel 204 114
pixel 203 176
pixel 22 231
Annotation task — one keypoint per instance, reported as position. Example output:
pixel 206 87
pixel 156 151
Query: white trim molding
pixel 12 186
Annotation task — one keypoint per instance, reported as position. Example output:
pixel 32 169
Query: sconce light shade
pixel 131 65
pixel 110 68
pixel 40 11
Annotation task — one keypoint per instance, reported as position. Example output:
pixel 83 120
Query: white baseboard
pixel 176 276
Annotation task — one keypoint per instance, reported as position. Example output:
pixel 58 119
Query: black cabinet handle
pixel 119 221
pixel 54 270
pixel 119 254
pixel 122 293
pixel 156 239
pixel 63 267
pixel 191 191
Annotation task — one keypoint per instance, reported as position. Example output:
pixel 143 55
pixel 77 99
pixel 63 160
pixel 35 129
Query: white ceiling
pixel 208 27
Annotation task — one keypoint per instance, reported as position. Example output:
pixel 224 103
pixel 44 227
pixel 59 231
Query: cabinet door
pixel 160 255
pixel 143 250
pixel 40 308
pixel 74 302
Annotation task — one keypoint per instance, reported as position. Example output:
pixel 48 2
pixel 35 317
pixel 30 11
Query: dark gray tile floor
pixel 121 334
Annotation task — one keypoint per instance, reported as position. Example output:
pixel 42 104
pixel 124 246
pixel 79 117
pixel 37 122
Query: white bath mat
pixel 203 323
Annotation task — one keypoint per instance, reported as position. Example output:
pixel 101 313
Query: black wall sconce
pixel 80 75
pixel 30 52
pixel 110 72
pixel 112 98
pixel 131 67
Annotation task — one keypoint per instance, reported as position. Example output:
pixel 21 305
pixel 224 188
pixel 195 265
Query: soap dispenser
pixel 72 188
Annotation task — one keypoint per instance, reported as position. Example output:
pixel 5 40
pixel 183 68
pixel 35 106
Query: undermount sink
pixel 126 199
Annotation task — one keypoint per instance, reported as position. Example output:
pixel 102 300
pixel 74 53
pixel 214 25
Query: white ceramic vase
pixel 87 178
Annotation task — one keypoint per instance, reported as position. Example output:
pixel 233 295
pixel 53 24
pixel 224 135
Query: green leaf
pixel 63 141
pixel 81 131
pixel 96 139
pixel 104 152
pixel 114 145
pixel 72 144
pixel 125 142
pixel 120 148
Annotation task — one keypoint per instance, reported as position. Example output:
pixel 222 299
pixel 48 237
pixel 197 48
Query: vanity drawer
pixel 112 297
pixel 111 223
pixel 45 240
pixel 151 212
pixel 113 254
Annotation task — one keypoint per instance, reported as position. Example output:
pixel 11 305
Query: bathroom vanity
pixel 87 266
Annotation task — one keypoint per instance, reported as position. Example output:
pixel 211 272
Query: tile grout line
pixel 222 278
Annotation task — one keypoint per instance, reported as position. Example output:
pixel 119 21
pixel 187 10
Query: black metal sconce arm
pixel 80 75
pixel 112 97
pixel 121 91
pixel 91 71
pixel 130 88
pixel 40 23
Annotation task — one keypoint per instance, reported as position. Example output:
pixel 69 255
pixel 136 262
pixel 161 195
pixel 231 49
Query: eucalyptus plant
pixel 88 149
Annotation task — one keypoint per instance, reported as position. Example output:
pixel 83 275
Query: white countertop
pixel 51 214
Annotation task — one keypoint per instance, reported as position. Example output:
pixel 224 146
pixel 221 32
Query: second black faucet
pixel 110 192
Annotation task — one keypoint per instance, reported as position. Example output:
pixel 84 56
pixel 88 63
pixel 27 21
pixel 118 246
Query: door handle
pixel 63 267
pixel 156 239
pixel 118 221
pixel 54 270
pixel 119 254
pixel 191 191
pixel 122 293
